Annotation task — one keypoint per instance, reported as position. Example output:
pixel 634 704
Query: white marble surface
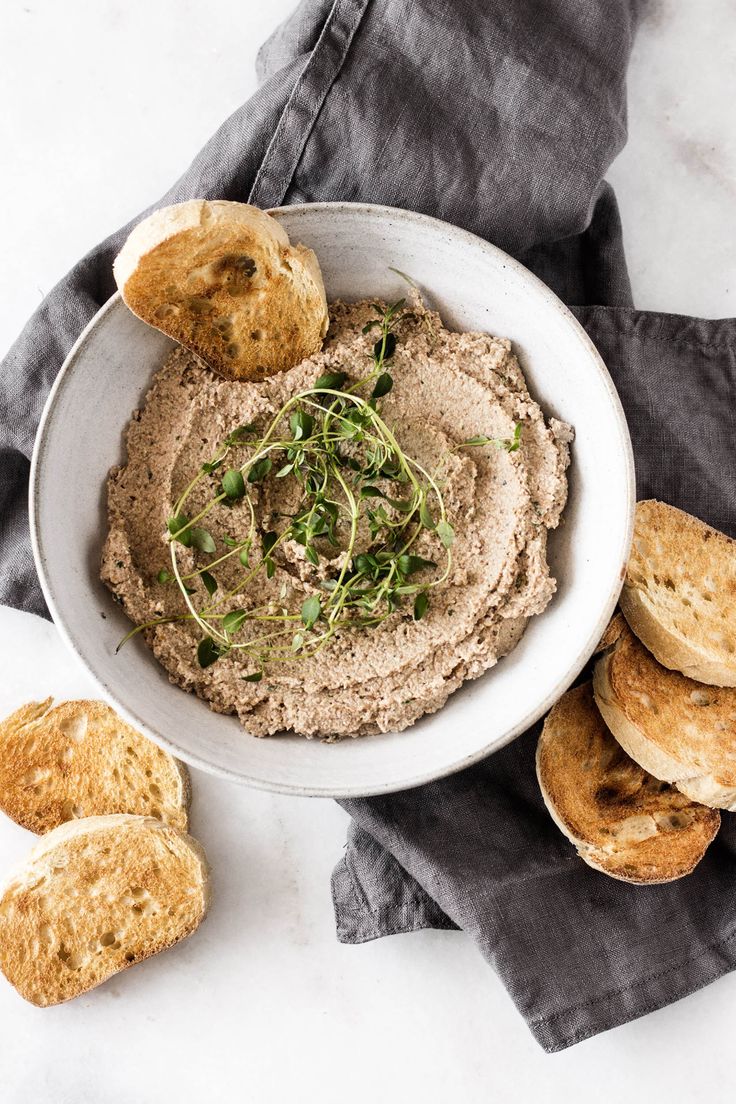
pixel 104 104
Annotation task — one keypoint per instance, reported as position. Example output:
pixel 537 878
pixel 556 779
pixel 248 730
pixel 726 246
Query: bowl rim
pixel 463 237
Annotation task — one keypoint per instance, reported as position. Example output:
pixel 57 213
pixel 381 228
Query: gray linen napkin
pixel 501 117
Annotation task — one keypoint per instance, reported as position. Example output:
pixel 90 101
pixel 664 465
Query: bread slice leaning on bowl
pixel 622 821
pixel 679 730
pixel 94 897
pixel 223 280
pixel 679 593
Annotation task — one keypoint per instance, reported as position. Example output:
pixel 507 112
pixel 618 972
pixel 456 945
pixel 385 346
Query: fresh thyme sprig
pixel 355 485
pixel 508 444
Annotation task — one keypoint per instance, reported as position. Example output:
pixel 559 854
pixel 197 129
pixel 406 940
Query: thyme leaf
pixel 202 540
pixel 311 611
pixel 421 604
pixel 208 652
pixel 210 582
pixel 330 381
pixel 233 484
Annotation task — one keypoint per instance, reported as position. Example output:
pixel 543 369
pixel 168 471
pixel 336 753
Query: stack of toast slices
pixel 115 877
pixel 635 765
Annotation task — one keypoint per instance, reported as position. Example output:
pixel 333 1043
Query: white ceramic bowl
pixel 475 287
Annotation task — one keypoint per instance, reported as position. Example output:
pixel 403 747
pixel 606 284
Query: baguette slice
pixel 680 591
pixel 94 897
pixel 678 729
pixel 622 821
pixel 222 279
pixel 80 759
pixel 611 633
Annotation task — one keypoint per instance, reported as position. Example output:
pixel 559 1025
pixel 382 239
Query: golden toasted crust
pixel 622 821
pixel 79 759
pixel 94 897
pixel 680 730
pixel 612 632
pixel 680 592
pixel 222 279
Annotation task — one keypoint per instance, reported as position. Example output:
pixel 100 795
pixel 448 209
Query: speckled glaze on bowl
pixel 475 286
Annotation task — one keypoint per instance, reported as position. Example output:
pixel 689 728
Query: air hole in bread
pixel 232 350
pixel 75 727
pixel 647 701
pixel 234 269
pixel 155 791
pixel 257 335
pixel 675 820
pixel 166 310
pixel 70 811
pixel 223 326
pixel 129 956
pixel 635 829
pixel 107 939
pixel 33 776
pixel 200 306
pixel 702 697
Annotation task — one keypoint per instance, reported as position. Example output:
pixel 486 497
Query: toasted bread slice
pixel 80 759
pixel 680 591
pixel 622 821
pixel 95 896
pixel 222 279
pixel 612 632
pixel 679 730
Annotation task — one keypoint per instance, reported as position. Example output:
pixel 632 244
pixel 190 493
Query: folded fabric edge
pixel 354 923
pixel 705 336
pixel 568 1026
